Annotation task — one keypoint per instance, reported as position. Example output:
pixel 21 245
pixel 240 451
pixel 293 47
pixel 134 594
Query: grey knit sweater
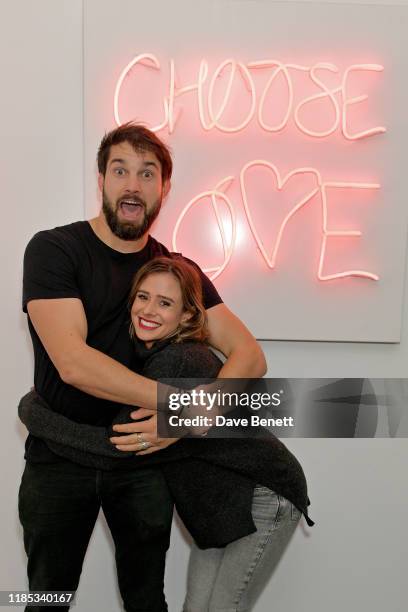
pixel 212 480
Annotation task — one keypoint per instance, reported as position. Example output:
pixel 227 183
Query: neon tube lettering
pixel 218 192
pixel 280 68
pixel 325 93
pixel 345 233
pixel 349 102
pixel 211 119
pixel 250 85
pixel 228 244
pixel 150 61
pixel 271 262
pixel 176 92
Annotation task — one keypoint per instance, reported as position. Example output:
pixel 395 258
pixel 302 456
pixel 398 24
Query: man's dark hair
pixel 141 139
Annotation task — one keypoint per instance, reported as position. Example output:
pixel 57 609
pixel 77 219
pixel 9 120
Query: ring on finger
pixel 143 445
pixel 142 442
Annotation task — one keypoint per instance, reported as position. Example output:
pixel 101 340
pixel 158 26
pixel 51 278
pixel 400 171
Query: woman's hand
pixel 159 444
pixel 140 433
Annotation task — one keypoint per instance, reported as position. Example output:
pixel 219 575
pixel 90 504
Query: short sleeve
pixel 211 297
pixel 49 269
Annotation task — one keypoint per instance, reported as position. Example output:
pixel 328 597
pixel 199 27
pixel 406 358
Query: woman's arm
pixel 45 423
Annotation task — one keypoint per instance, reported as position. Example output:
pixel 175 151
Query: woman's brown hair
pixel 195 327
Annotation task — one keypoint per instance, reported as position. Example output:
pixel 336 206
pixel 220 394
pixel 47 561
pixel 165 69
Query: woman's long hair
pixel 195 327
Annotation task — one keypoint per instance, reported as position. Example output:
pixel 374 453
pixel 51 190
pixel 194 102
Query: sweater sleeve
pixel 41 421
pixel 183 360
pixel 44 423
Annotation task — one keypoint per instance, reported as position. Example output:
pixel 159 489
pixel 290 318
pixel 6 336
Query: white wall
pixel 354 558
pixel 41 128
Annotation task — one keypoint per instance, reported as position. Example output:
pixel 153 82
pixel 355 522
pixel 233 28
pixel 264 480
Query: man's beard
pixel 126 230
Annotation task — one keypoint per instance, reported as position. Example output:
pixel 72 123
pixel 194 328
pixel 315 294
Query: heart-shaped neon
pixel 271 261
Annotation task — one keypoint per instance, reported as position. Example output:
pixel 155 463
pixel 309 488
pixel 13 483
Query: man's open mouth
pixel 131 208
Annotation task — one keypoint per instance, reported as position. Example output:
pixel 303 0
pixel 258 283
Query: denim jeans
pixel 230 579
pixel 58 506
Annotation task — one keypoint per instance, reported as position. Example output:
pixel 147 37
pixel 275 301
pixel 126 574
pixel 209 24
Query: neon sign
pixel 211 108
pixel 320 189
pixel 210 117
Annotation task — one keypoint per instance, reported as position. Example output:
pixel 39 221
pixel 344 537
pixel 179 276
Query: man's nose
pixel 133 183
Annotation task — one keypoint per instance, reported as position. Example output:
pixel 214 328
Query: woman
pixel 241 499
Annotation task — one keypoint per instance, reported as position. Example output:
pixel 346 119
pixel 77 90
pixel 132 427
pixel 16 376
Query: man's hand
pixel 147 428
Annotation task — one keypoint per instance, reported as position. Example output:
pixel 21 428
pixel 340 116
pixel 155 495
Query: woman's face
pixel 158 307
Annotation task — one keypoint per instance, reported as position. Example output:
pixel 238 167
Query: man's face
pixel 132 191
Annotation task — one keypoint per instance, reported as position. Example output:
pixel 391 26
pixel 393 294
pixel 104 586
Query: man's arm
pixel 245 358
pixel 62 328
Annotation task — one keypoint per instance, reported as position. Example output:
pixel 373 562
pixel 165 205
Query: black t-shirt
pixel 72 262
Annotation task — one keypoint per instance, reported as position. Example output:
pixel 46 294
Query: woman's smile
pixel 146 324
pixel 157 310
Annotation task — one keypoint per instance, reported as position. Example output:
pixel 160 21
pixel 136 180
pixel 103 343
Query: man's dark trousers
pixel 58 505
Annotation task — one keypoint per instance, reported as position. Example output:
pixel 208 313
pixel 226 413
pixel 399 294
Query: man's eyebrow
pixel 118 160
pixel 151 163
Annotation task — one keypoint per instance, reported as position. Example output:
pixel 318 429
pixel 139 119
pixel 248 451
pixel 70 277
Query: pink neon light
pixel 175 91
pixel 279 68
pixel 321 187
pixel 150 61
pixel 211 119
pixel 326 93
pixel 248 79
pixel 356 100
pixel 271 261
pixel 217 192
pixel 350 233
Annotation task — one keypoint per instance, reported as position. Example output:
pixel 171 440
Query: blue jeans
pixel 59 504
pixel 230 579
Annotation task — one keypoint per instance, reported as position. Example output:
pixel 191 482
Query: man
pixel 76 283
